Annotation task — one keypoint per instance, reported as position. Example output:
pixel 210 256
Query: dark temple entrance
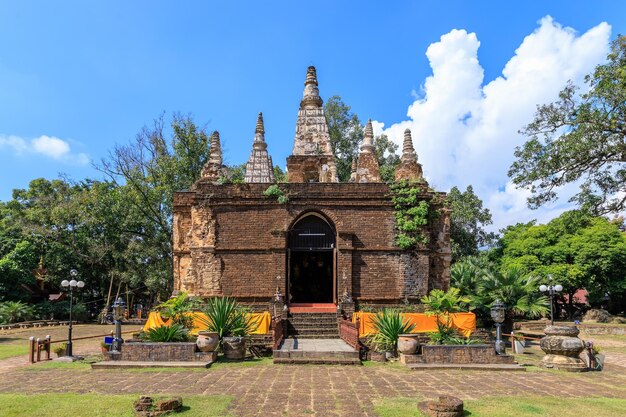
pixel 311 261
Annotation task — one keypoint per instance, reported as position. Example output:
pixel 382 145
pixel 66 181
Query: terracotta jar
pixel 408 344
pixel 207 341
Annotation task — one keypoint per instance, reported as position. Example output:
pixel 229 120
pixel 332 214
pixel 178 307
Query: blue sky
pixel 78 77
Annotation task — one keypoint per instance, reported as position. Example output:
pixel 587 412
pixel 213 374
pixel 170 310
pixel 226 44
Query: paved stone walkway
pixel 312 390
pixel 275 390
pixel 316 345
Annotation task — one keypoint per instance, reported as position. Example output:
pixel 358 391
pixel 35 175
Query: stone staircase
pixel 313 338
pixel 312 326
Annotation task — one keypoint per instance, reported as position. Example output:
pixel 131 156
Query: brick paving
pixel 275 390
pixel 315 390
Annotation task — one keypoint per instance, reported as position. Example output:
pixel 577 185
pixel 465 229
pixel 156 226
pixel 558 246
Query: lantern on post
pixel 71 285
pixel 552 291
pixel 119 312
pixel 498 315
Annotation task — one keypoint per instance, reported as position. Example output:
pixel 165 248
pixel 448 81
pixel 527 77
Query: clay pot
pixel 234 348
pixel 207 341
pixel 407 344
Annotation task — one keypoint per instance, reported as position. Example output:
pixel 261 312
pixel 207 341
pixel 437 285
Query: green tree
pixel 388 159
pixel 578 250
pixel 346 133
pixel 580 138
pixel 467 223
pixel 150 170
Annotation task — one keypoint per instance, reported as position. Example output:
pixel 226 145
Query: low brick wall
pixel 161 352
pixel 458 354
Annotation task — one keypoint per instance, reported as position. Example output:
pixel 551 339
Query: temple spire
pixel 409 169
pixel 368 138
pixel 311 96
pixel 368 169
pixel 213 168
pixel 259 167
pixel 312 158
pixel 407 146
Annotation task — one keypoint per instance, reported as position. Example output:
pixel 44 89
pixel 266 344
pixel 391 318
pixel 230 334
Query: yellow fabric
pixel 154 320
pixel 263 319
pixel 465 323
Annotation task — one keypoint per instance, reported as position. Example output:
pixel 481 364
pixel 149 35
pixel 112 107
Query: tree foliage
pixel 346 135
pixel 581 138
pixel 467 223
pixel 116 232
pixel 578 250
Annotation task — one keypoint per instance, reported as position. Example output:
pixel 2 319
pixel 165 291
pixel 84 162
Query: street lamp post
pixel 497 314
pixel 119 310
pixel 552 291
pixel 71 284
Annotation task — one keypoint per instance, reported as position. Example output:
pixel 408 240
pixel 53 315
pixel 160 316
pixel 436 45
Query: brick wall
pixel 231 240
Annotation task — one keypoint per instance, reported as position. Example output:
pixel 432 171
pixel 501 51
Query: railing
pixel 349 332
pixel 37 346
pixel 278 331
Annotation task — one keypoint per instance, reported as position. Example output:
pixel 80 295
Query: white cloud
pixel 49 146
pixel 465 131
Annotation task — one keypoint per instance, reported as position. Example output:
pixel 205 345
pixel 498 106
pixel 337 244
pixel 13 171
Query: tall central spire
pixel 311 146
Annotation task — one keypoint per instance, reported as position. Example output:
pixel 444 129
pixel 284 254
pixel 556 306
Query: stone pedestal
pixel 563 348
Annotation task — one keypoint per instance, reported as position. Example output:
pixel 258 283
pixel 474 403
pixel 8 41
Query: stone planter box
pixel 458 354
pixel 161 352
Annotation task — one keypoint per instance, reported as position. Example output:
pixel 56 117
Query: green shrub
pixel 441 304
pixel 178 309
pixel 389 325
pixel 227 318
pixel 276 192
pixel 173 333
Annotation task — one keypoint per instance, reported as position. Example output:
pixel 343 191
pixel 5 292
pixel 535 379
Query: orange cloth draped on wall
pixel 465 323
pixel 155 320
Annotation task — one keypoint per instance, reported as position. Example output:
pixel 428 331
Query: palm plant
pixel 389 325
pixel 442 304
pixel 178 308
pixel 227 318
pixel 15 311
pixel 518 292
pixel 173 333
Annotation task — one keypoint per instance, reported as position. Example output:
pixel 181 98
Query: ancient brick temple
pixel 329 243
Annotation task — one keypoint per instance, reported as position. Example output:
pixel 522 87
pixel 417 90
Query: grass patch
pixel 531 406
pixel 9 350
pixel 14 405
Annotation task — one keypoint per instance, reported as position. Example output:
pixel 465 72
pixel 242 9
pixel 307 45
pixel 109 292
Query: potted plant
pixel 388 326
pixel 60 350
pixel 232 324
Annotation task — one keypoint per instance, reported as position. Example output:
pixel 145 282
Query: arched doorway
pixel 311 261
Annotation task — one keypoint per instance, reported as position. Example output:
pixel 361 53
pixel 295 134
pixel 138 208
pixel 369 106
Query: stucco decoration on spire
pixel 259 167
pixel 368 169
pixel 213 169
pixel 409 169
